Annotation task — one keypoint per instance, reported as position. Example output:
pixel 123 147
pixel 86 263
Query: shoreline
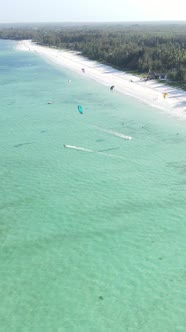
pixel 149 92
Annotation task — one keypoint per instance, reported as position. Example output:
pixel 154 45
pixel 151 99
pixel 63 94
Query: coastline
pixel 149 92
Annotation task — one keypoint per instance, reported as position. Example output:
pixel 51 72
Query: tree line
pixel 139 47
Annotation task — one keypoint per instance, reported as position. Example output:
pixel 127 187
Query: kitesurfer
pixel 112 88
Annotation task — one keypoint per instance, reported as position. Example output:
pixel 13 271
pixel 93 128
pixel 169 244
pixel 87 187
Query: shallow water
pixel 92 237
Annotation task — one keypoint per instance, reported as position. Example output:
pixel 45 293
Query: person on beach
pixel 165 95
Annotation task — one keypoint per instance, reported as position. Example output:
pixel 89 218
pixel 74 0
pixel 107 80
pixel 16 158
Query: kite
pixel 80 109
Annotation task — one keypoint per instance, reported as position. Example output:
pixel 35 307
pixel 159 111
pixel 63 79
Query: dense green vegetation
pixel 149 48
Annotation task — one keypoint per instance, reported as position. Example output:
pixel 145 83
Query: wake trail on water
pixel 93 151
pixel 77 148
pixel 115 133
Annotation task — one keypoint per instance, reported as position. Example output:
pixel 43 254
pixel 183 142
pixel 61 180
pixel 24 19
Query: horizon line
pixel 94 22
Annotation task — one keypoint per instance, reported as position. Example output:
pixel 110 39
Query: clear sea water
pixel 89 241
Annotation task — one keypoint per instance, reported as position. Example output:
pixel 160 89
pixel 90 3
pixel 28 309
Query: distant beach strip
pixel 149 92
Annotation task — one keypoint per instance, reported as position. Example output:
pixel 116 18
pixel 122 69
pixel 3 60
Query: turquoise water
pixel 89 241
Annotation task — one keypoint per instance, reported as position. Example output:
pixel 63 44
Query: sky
pixel 18 11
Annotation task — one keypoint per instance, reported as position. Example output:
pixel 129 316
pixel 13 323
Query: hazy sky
pixel 12 11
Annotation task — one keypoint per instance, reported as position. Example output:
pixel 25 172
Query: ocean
pixel 92 234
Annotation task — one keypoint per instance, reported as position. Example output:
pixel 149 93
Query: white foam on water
pixel 77 148
pixel 115 133
pixel 88 150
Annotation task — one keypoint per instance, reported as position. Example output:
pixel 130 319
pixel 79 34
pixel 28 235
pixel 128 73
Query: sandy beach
pixel 149 92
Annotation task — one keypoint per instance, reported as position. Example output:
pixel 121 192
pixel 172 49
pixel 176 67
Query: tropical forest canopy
pixel 140 47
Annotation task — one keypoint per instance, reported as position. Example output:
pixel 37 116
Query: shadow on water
pixel 179 166
pixel 109 149
pixel 21 144
pixel 100 140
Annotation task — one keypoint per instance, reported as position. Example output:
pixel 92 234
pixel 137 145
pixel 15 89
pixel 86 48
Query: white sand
pixel 150 92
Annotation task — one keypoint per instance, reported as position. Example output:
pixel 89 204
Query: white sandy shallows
pixel 149 92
